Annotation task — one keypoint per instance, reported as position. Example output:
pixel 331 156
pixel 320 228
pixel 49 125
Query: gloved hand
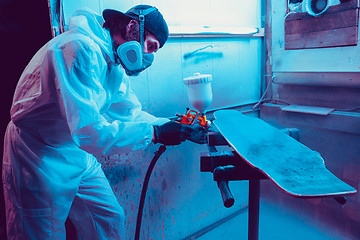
pixel 198 134
pixel 171 133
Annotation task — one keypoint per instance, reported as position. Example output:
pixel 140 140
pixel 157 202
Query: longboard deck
pixel 291 165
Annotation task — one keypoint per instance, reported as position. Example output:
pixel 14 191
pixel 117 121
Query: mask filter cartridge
pixel 133 59
pixel 130 55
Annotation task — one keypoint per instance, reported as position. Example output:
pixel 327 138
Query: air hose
pixel 158 153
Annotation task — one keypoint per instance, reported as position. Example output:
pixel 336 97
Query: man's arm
pixel 79 72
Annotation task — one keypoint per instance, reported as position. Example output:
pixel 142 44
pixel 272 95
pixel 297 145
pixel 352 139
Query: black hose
pixel 158 153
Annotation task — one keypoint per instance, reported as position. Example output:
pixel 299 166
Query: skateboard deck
pixel 292 166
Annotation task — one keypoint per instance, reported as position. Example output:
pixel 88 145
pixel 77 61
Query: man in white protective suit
pixel 73 102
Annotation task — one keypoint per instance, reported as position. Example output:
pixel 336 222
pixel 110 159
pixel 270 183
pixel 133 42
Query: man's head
pixel 128 24
pixel 137 34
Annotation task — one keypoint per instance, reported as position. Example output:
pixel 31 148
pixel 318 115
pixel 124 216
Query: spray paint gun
pixel 200 97
pixel 192 117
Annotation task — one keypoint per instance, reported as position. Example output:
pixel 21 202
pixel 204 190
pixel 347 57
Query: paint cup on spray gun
pixel 199 93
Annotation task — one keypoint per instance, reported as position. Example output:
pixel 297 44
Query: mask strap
pixel 142 26
pixel 114 48
pixel 141 14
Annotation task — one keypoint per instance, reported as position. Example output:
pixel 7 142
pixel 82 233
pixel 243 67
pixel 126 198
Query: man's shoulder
pixel 75 40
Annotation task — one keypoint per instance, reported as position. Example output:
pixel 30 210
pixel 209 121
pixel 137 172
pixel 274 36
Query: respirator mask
pixel 133 59
pixel 131 54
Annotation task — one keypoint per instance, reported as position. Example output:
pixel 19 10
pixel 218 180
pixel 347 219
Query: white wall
pixel 235 63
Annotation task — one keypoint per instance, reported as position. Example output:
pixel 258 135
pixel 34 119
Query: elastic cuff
pixel 156 130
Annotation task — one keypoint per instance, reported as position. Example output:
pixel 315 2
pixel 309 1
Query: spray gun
pixel 200 97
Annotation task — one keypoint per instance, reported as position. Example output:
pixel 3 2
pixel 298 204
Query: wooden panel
pixel 338 26
pixel 339 90
pixel 320 39
pixel 333 9
pixel 336 79
pixel 343 19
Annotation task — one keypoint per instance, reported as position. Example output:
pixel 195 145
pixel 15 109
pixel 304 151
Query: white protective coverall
pixel 72 102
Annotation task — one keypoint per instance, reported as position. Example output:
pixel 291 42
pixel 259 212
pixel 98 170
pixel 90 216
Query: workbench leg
pixel 254 207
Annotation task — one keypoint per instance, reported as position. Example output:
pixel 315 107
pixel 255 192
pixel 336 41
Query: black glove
pixel 171 133
pixel 199 134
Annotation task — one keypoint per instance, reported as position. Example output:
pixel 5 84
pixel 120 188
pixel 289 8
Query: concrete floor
pixel 276 223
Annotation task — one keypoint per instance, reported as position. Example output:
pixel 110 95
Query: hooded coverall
pixel 71 103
